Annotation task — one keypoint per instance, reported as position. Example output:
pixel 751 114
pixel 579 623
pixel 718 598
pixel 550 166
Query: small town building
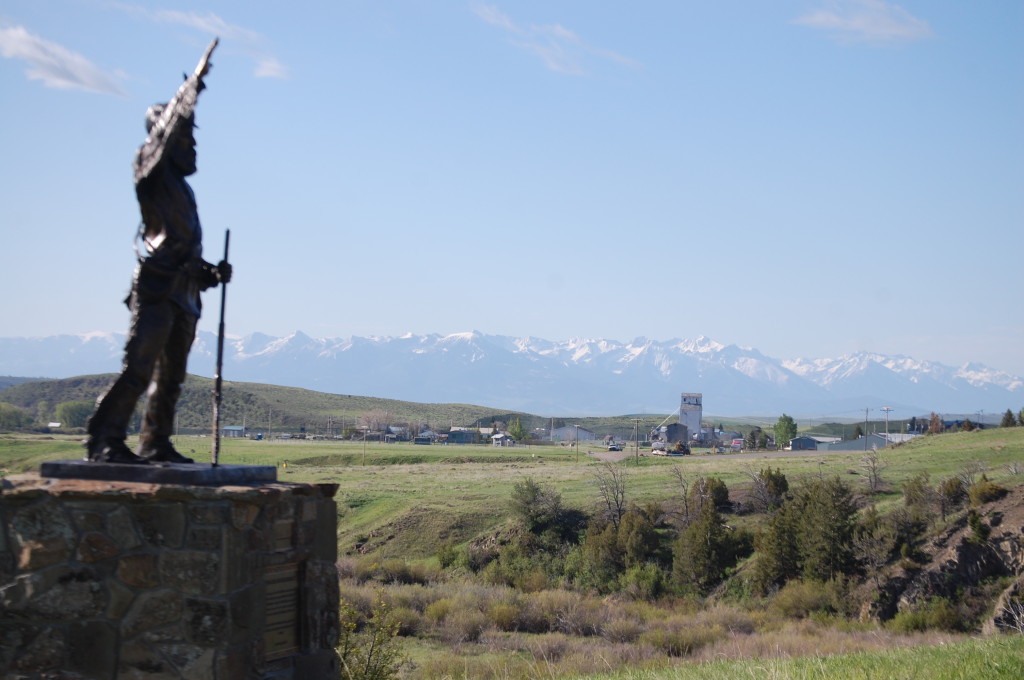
pixel 803 444
pixel 463 437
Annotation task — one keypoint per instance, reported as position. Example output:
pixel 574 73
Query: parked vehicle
pixel 680 449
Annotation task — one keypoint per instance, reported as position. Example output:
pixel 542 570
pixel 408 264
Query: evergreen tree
pixel 1008 419
pixel 825 534
pixel 707 490
pixel 810 536
pixel 778 555
pixel 705 551
pixel 637 538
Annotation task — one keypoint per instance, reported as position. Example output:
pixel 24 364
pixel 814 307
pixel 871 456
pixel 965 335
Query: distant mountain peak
pixel 576 376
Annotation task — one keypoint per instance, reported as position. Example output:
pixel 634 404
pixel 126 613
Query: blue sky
pixel 807 177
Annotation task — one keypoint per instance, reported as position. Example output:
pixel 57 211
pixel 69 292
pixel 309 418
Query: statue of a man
pixel 164 299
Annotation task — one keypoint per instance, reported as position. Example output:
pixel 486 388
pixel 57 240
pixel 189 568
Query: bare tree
pixel 871 467
pixel 970 471
pixel 376 420
pixel 611 487
pixel 1012 616
pixel 684 487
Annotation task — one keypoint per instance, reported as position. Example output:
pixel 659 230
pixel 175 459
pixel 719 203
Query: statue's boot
pixel 162 451
pixel 111 451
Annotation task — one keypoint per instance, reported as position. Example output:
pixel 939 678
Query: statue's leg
pixel 168 378
pixel 108 426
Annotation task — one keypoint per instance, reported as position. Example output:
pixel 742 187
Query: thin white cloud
pixel 560 48
pixel 208 23
pixel 269 67
pixel 872 21
pixel 55 65
pixel 246 40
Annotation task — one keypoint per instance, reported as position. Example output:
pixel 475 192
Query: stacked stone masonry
pixel 106 580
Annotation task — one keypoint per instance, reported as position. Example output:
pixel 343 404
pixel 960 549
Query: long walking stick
pixel 217 382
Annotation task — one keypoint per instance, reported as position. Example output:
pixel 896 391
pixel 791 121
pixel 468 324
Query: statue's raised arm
pixel 163 122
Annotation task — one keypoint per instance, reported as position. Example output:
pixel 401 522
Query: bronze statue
pixel 164 299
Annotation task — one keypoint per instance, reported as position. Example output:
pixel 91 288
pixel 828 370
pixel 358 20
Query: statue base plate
pixel 160 473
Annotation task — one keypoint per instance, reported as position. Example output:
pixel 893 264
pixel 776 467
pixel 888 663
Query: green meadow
pixel 398 504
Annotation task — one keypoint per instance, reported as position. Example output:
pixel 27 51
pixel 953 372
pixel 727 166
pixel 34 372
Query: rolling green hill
pixel 288 409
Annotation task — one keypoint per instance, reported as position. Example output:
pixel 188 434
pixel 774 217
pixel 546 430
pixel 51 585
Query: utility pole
pixel 887 410
pixel 577 442
pixel 636 439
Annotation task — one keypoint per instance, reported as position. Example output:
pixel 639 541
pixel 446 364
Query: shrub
pixel 567 612
pixel 549 647
pixel 726 618
pixel 365 569
pixel 358 598
pixel 463 625
pixel 346 568
pixel 917 492
pixel 675 639
pixel 504 616
pixel 373 653
pixel 437 610
pixel 399 571
pixel 536 505
pixel 951 494
pixel 622 630
pixel 643 582
pixel 799 599
pixel 979 530
pixel 409 621
pixel 938 614
pixel 447 554
pixel 414 596
pixel 983 491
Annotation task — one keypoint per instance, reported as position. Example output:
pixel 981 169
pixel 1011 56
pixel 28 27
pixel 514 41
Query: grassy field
pixel 403 499
pixel 975 659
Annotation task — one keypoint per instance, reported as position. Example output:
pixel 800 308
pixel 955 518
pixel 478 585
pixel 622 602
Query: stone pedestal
pixel 119 579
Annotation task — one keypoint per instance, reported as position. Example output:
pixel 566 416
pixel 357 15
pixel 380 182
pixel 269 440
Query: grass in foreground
pixel 975 659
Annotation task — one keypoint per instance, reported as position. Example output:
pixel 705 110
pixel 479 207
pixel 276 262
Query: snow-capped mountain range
pixel 570 377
